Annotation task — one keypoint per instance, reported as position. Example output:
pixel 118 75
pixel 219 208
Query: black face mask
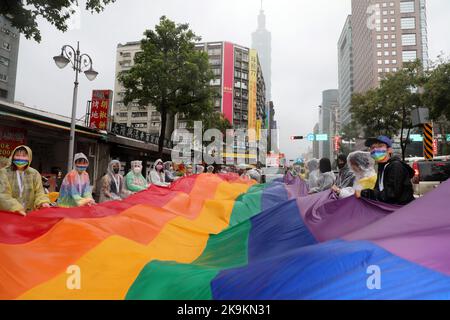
pixel 116 170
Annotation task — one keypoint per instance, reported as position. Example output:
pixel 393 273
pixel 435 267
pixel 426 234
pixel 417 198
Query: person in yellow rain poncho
pixel 21 187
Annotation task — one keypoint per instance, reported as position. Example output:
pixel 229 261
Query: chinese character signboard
pixel 10 138
pixel 100 108
pixel 337 143
pixel 435 147
pixel 252 96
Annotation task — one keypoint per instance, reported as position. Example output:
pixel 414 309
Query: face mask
pixel 379 154
pixel 81 168
pixel 116 170
pixel 20 163
pixel 137 170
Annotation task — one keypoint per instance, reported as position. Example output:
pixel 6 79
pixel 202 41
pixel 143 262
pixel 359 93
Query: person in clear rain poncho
pixel 363 167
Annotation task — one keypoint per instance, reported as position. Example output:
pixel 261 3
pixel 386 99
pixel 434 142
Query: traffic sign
pixel 296 137
pixel 321 137
pixel 416 138
pixel 312 137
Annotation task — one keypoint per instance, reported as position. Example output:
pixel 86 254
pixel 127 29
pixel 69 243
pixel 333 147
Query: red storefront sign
pixel 337 143
pixel 11 138
pixel 435 147
pixel 228 81
pixel 100 107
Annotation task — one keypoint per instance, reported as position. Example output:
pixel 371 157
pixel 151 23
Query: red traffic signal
pixel 296 137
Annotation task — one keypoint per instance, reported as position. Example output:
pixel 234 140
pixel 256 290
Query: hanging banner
pixel 228 81
pixel 252 97
pixel 100 107
pixel 11 138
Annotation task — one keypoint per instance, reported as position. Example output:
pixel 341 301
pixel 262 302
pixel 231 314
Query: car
pixel 430 174
pixel 273 173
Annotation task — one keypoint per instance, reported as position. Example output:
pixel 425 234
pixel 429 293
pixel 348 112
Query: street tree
pixel 24 14
pixel 386 110
pixel 170 74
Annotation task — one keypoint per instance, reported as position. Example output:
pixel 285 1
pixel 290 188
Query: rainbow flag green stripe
pixel 225 250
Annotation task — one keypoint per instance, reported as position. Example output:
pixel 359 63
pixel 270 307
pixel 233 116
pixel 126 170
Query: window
pixel 378 45
pixel 394 61
pixel 3 93
pixel 386 37
pixel 385 20
pixel 380 70
pixel 394 53
pixel 379 54
pixel 215 62
pixel 387 70
pixel 139 114
pixel 386 53
pixel 393 45
pixel 4 61
pixel 386 61
pixel 216 71
pixel 392 12
pixel 216 82
pixel 392 4
pixel 3 77
pixel 409 56
pixel 122 114
pixel 125 54
pixel 407 7
pixel 379 37
pixel 6 46
pixel 392 28
pixel 394 69
pixel 408 23
pixel 214 52
pixel 393 36
pixel 380 61
pixel 385 29
pixel 386 45
pixel 409 39
pixel 139 125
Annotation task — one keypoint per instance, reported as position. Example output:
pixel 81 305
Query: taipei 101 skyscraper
pixel 262 42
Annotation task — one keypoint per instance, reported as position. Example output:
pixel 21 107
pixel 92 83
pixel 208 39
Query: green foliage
pixel 437 91
pixel 24 14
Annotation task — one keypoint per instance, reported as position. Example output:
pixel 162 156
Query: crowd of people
pixel 22 189
pixel 357 175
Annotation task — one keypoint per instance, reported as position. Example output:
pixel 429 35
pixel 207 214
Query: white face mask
pixel 137 170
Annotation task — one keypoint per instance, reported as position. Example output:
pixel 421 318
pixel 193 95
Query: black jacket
pixel 398 188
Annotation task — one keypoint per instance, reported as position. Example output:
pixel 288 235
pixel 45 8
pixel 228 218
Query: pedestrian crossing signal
pixel 296 137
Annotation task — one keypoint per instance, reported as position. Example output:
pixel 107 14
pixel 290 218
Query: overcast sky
pixel 304 50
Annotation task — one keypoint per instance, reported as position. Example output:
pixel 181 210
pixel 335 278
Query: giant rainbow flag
pixel 221 237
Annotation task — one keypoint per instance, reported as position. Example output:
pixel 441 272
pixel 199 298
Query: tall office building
pixel 143 118
pixel 9 52
pixel 385 34
pixel 345 71
pixel 262 42
pixel 238 81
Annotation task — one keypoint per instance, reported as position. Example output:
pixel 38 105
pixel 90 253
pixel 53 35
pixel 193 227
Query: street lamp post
pixel 79 63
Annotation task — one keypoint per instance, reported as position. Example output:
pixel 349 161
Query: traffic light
pixel 296 137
